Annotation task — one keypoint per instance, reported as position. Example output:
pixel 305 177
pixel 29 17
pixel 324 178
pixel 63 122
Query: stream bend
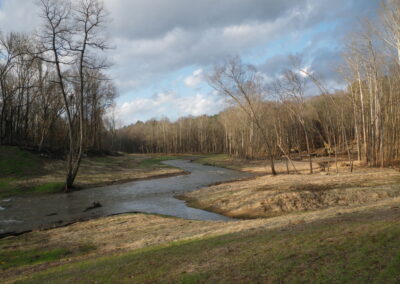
pixel 19 214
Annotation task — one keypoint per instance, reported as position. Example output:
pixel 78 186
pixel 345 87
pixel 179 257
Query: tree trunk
pixel 271 159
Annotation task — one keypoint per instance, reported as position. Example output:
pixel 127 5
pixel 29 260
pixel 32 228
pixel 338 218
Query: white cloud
pixel 153 19
pixel 19 16
pixel 195 79
pixel 198 33
pixel 169 105
pixel 305 71
pixel 155 39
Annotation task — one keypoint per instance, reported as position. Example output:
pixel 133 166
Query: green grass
pixel 50 187
pixel 155 162
pixel 219 160
pixel 16 162
pixel 104 160
pixel 18 258
pixel 8 189
pixel 26 257
pixel 18 165
pixel 345 252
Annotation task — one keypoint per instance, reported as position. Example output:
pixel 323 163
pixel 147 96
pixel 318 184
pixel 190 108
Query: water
pixel 149 196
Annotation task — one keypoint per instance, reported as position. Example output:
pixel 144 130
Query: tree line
pixel 234 132
pixel 279 119
pixel 54 94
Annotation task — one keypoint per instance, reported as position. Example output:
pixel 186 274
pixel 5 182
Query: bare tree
pixel 70 31
pixel 245 87
pixel 12 46
pixel 291 90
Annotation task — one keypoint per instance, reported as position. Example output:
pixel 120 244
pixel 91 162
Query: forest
pixel 56 98
pixel 279 118
pixel 54 93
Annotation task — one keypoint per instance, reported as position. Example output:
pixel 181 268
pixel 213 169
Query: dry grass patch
pixel 99 171
pixel 261 166
pixel 143 236
pixel 272 196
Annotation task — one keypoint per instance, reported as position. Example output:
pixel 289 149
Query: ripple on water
pixel 154 196
pixel 11 221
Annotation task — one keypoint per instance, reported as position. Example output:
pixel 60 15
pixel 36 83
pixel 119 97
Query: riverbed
pixel 156 196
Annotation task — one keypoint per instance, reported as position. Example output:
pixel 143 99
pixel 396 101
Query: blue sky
pixel 163 49
pixel 174 82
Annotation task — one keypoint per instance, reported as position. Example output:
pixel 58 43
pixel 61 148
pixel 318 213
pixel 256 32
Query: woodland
pixel 56 98
pixel 278 119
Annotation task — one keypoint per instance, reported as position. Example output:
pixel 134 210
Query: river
pixel 23 213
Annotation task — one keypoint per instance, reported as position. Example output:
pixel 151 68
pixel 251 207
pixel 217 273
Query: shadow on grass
pixel 349 252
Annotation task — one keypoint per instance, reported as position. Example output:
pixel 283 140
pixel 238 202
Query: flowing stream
pixel 19 214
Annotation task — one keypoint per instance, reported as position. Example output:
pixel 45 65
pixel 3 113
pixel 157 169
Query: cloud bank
pixel 175 105
pixel 177 41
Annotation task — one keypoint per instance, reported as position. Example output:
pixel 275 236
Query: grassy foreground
pixel 23 172
pixel 356 248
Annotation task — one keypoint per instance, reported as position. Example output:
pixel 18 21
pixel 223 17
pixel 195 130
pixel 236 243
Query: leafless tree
pixel 70 33
pixel 244 86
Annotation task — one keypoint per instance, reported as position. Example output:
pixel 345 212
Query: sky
pixel 163 49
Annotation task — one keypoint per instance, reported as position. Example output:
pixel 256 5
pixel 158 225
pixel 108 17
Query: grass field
pixel 355 248
pixel 15 165
pixel 155 161
pixel 219 160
